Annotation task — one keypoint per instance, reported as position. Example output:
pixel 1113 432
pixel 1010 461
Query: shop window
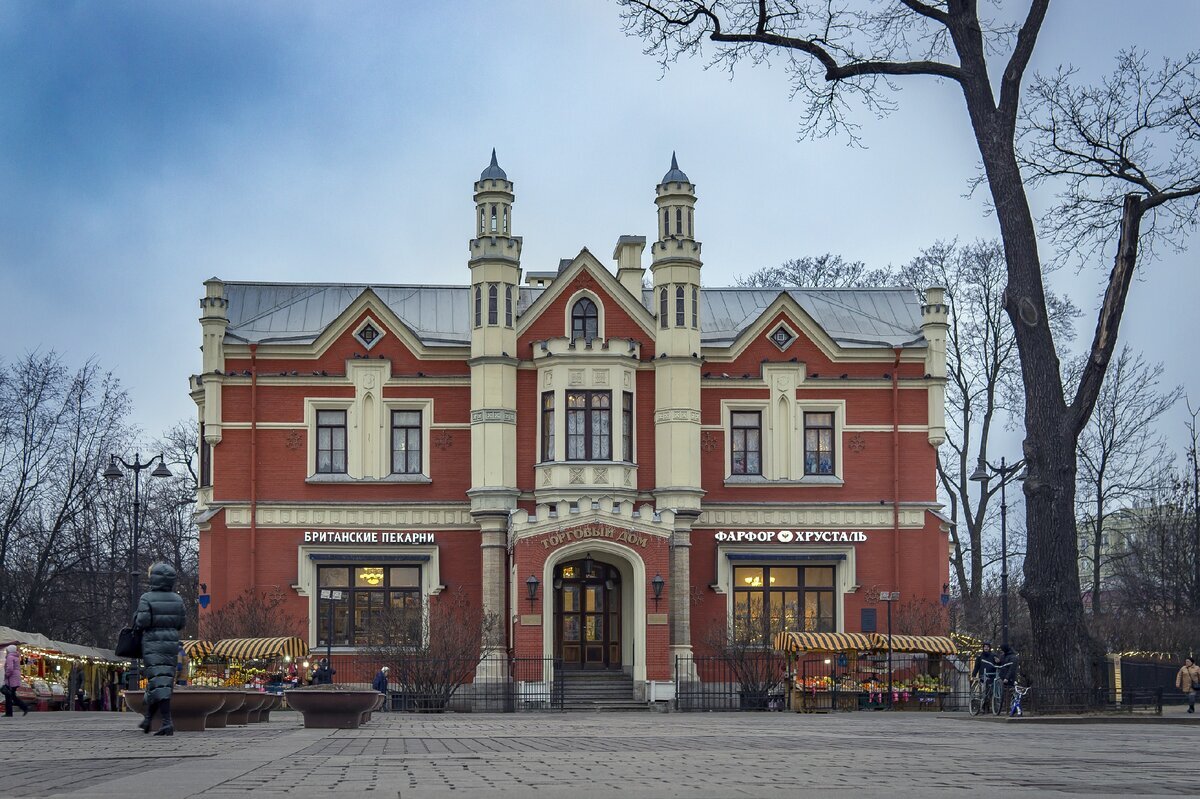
pixel 406 442
pixel 585 320
pixel 589 425
pixel 548 426
pixel 745 442
pixel 627 426
pixel 818 443
pixel 772 599
pixel 331 442
pixel 679 318
pixel 493 309
pixel 379 606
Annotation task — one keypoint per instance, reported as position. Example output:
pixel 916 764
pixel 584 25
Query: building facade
pixel 614 464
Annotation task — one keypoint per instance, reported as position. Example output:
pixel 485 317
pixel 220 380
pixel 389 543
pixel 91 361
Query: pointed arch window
pixel 504 229
pixel 690 235
pixel 695 307
pixel 478 306
pixel 585 320
pixel 493 217
pixel 482 220
pixel 679 317
pixel 662 308
pixel 493 297
pixel 508 306
pixel 679 220
pixel 666 222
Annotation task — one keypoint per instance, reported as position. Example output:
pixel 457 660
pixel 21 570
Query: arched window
pixel 479 303
pixel 666 223
pixel 689 223
pixel 508 309
pixel 585 320
pixel 679 220
pixel 493 217
pixel 679 318
pixel 505 228
pixel 482 221
pixel 695 307
pixel 492 298
pixel 662 309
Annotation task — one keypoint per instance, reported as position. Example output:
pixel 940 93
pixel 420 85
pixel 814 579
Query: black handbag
pixel 129 642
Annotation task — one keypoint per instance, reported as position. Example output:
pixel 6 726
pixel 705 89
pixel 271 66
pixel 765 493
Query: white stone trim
pixel 570 306
pixel 380 329
pixel 633 602
pixel 775 516
pixel 354 515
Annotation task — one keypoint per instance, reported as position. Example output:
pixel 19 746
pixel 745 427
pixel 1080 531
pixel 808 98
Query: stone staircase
pixel 599 691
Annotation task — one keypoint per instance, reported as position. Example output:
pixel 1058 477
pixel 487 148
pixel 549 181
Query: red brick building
pixel 646 463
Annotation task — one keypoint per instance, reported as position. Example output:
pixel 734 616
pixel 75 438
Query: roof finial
pixel 674 174
pixel 493 171
pixel 674 163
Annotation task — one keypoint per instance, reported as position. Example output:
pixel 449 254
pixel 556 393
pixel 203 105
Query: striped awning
pixel 260 648
pixel 932 644
pixel 822 642
pixel 196 649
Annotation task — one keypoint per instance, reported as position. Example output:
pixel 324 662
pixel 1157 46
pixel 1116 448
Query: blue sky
pixel 145 146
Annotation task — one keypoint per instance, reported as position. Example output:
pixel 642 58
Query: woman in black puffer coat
pixel 160 615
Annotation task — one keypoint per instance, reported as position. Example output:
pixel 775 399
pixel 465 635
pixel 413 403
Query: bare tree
pixel 1121 457
pixel 433 651
pixel 983 387
pixel 254 613
pixel 826 271
pixel 855 50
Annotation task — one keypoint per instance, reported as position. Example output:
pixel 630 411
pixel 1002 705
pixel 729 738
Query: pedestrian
pixel 1187 680
pixel 12 681
pixel 160 616
pixel 324 673
pixel 380 684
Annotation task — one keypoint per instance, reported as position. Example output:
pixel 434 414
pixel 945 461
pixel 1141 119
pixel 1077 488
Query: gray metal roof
pixel 493 170
pixel 297 313
pixel 675 174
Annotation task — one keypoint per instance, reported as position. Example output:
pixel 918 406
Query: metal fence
pixel 439 685
pixel 742 681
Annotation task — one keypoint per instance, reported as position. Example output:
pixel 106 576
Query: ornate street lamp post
pixel 112 474
pixel 983 472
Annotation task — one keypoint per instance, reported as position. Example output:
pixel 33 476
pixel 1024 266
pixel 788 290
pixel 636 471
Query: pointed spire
pixel 675 175
pixel 493 171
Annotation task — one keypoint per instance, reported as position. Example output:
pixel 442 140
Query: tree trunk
pixel 1062 648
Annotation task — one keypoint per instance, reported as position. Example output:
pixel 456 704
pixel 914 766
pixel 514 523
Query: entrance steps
pixel 599 691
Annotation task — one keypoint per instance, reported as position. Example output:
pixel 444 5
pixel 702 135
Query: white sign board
pixel 790 536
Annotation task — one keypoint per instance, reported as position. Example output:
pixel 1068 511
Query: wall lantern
pixel 657 584
pixel 531 586
pixel 588 564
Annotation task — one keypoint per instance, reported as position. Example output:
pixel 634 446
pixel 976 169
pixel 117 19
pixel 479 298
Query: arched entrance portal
pixel 587 614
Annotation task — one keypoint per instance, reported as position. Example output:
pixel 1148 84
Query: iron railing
pixel 753 680
pixel 439 685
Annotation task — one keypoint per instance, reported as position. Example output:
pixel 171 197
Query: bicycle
pixel 1019 692
pixel 987 694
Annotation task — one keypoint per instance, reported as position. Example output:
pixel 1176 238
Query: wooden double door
pixel 587 615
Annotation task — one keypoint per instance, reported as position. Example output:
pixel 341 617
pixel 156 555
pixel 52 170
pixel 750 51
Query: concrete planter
pixel 332 708
pixel 274 704
pixel 189 708
pixel 253 701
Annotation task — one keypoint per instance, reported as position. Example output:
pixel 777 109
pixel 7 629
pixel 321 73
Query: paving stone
pixel 401 756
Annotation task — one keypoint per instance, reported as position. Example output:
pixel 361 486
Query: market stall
pixel 850 671
pixel 269 664
pixel 56 675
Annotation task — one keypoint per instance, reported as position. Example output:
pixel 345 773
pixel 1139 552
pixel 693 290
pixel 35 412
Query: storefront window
pixel 772 599
pixel 379 605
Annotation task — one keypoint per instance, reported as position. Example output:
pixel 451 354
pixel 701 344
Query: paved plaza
pixel 402 756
